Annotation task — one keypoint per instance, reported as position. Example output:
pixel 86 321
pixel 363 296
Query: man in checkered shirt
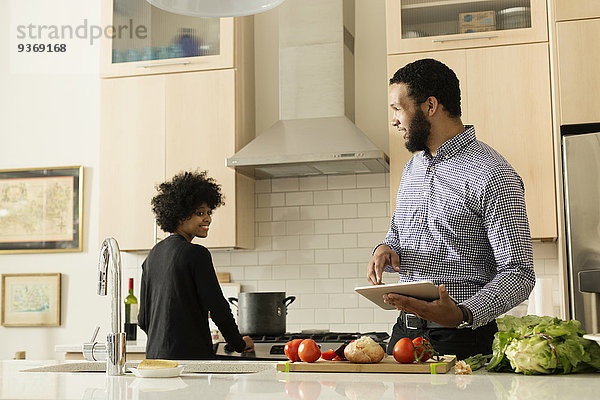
pixel 460 220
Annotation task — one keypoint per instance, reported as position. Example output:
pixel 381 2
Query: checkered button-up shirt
pixel 460 220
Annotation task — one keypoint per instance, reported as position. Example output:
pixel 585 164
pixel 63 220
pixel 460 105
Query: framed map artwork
pixel 41 209
pixel 30 299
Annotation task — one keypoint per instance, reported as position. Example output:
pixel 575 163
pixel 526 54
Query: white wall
pixel 49 120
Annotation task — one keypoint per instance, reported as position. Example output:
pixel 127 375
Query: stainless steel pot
pixel 262 313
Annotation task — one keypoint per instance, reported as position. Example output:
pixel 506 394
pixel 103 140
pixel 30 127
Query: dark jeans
pixel 459 342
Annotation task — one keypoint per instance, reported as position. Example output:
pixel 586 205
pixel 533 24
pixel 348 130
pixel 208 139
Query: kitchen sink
pixel 191 366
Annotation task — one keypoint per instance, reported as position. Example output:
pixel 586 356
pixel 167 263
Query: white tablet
pixel 423 290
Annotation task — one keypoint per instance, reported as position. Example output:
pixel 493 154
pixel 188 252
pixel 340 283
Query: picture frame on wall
pixel 31 299
pixel 41 210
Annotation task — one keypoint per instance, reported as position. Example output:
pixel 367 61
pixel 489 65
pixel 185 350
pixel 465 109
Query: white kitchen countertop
pixel 270 384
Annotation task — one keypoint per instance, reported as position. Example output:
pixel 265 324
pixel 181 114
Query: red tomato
pixel 338 358
pixel 309 390
pixel 328 355
pixel 404 351
pixel 308 351
pixel 423 349
pixel 291 349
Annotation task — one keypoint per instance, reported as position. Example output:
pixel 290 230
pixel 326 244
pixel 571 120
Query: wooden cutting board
pixel 388 364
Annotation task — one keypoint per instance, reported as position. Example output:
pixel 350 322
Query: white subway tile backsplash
pixel 370 180
pixel 300 227
pixel 314 212
pixel 370 240
pixel 271 228
pixel 262 243
pixel 286 213
pixel 351 283
pixel 318 300
pixel 244 258
pixel 314 241
pixel 300 256
pixel 538 266
pixel 258 273
pixel 313 183
pixel 270 200
pixel 284 184
pixel 381 316
pixel 328 197
pixel 271 286
pixel 343 328
pixel 262 186
pixel 358 315
pixel 357 255
pixel 545 250
pixel 356 196
pixel 328 316
pixel 249 286
pixel 341 182
pixel 343 241
pixel 221 258
pixel 316 271
pixel 236 274
pixel 299 198
pixel 286 272
pixel 286 242
pixel 358 225
pixel 300 315
pixel 373 210
pixel 299 286
pixel 263 214
pixel 381 195
pixel 343 300
pixel 373 328
pixel 329 226
pixel 327 256
pixel 551 267
pixel 343 211
pixel 271 257
pixel 343 270
pixel 329 285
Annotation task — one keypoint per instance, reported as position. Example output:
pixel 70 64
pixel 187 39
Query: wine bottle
pixel 131 314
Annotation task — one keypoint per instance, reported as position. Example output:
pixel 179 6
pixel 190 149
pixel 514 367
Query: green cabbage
pixel 542 345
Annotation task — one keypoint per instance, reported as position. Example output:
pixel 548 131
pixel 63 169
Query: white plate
pixel 424 290
pixel 158 373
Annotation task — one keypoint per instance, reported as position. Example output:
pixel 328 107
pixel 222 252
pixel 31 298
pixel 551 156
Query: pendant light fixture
pixel 215 8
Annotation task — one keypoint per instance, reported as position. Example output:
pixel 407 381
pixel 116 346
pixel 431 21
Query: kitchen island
pixel 269 384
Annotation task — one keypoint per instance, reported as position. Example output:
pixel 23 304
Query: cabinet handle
pixel 464 38
pixel 164 64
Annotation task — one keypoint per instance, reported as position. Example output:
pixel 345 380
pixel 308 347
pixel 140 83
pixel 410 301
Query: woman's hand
pixel 249 344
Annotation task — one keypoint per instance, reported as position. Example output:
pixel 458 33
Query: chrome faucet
pixel 113 351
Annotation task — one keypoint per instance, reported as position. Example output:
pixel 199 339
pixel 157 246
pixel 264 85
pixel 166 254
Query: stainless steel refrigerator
pixel 581 169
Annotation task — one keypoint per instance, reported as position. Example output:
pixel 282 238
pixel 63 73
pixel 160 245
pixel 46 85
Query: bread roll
pixel 157 364
pixel 364 351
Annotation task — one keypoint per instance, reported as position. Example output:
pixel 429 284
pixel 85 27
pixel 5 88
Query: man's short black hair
pixel 428 77
pixel 179 198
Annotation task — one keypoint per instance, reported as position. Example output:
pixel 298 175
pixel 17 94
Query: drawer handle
pixel 464 38
pixel 164 64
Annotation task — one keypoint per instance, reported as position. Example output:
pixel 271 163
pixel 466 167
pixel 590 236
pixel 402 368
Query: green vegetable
pixel 477 361
pixel 542 345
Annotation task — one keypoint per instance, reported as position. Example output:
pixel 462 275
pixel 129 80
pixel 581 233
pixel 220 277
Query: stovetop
pixel 272 347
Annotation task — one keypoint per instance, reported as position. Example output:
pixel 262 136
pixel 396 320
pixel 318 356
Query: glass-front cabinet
pixel 141 39
pixel 429 25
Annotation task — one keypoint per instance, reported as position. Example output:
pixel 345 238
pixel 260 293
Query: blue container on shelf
pixel 176 51
pixel 117 56
pixel 162 53
pixel 133 55
pixel 148 54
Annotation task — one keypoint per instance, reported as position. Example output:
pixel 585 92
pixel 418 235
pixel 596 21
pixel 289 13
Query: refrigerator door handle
pixel 589 281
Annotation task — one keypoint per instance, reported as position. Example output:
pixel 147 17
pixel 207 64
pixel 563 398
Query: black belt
pixel 411 321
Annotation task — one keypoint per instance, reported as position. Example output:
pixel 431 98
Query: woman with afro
pixel 179 284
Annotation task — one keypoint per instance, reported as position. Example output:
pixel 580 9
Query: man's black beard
pixel 418 132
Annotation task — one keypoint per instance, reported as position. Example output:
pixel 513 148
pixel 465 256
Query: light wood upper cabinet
pixel 143 39
pixel 202 106
pixel 509 104
pixel 433 25
pixel 578 66
pixel 132 158
pixel 565 10
pixel 156 126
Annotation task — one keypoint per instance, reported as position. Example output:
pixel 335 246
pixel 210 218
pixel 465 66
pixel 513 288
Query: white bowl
pixel 158 373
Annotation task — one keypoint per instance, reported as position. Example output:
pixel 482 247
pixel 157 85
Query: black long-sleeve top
pixel 179 288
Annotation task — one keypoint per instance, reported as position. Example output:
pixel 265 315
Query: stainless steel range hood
pixel 315 134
